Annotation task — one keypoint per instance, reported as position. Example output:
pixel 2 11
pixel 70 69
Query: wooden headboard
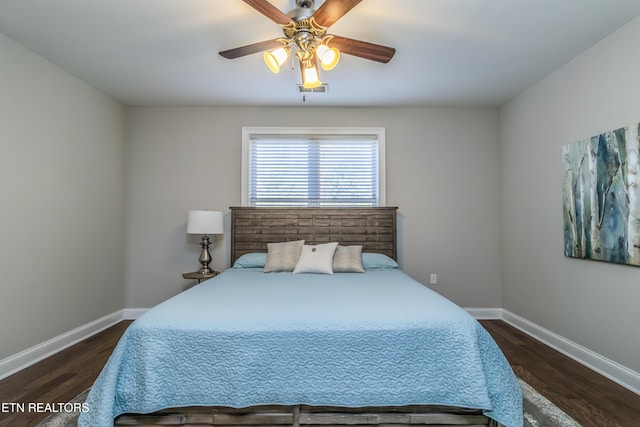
pixel 372 227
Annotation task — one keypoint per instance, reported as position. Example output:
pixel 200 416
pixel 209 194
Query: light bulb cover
pixel 329 56
pixel 275 58
pixel 310 77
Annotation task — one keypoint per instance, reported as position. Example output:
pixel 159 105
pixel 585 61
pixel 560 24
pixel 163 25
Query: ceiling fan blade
pixel 251 48
pixel 269 10
pixel 366 50
pixel 332 10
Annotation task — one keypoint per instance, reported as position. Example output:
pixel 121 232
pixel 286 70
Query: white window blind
pixel 319 170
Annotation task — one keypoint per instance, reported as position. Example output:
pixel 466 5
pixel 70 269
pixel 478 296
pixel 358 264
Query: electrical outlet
pixel 434 279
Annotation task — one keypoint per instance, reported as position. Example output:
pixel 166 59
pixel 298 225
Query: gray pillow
pixel 283 256
pixel 348 259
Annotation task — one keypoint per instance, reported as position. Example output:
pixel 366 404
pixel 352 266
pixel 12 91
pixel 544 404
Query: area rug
pixel 538 412
pixel 65 419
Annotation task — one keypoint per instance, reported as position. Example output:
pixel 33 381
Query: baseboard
pixel 133 313
pixel 485 313
pixel 28 357
pixel 606 367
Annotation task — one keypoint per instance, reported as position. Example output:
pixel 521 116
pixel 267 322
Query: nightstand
pixel 199 276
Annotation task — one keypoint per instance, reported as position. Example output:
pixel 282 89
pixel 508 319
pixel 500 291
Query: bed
pixel 256 348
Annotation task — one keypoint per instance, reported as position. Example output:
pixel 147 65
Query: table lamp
pixel 205 223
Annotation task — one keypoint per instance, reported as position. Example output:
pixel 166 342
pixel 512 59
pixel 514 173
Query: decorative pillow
pixel 372 261
pixel 348 259
pixel 251 260
pixel 283 256
pixel 316 259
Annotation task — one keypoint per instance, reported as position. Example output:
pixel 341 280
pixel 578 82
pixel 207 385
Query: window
pixel 313 167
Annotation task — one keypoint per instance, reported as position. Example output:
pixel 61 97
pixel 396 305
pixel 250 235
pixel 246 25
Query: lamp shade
pixel 276 58
pixel 205 222
pixel 329 57
pixel 310 78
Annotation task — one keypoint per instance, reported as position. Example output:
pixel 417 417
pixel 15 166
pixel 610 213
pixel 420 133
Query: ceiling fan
pixel 305 35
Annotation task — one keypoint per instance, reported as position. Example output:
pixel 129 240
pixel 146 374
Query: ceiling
pixel 448 52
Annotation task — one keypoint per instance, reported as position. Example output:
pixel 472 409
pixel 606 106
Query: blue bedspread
pixel 248 338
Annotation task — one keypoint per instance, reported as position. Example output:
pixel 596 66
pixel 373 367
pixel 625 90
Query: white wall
pixel 594 304
pixel 442 173
pixel 61 196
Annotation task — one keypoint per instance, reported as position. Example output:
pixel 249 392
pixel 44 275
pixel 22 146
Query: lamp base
pixel 205 257
pixel 205 270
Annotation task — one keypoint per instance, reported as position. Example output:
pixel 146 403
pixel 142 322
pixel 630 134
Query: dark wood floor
pixel 591 399
pixel 588 397
pixel 59 378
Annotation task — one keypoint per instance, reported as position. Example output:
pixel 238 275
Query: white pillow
pixel 282 256
pixel 316 259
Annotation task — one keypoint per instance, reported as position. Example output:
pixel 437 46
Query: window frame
pixel 378 133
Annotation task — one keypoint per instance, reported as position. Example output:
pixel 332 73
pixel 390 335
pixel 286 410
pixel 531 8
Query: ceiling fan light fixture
pixel 329 56
pixel 276 58
pixel 305 36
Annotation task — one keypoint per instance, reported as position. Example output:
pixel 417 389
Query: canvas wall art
pixel 601 197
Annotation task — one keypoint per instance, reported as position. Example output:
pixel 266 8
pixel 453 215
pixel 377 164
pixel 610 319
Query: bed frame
pixel 251 229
